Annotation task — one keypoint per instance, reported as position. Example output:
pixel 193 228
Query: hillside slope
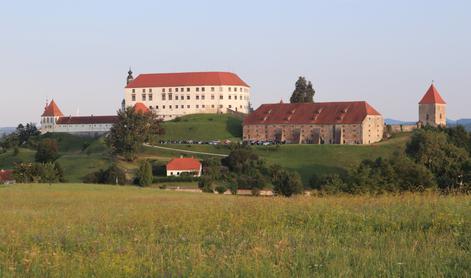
pixel 204 127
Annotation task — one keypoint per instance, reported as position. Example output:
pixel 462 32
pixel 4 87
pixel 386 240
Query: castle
pixel 171 95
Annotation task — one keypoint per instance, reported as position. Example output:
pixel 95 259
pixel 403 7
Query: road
pixel 185 151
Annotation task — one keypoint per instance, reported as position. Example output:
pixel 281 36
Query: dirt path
pixel 185 151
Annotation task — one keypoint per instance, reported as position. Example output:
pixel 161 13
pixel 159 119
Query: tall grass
pixel 106 231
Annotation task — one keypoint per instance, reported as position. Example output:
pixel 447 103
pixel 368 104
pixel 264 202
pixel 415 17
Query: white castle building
pixel 170 95
pixel 52 120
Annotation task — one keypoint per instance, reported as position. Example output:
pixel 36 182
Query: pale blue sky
pixel 385 52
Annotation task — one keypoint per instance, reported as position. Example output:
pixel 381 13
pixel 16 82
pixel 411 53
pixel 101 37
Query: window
pixel 235 97
pixel 133 97
pixel 133 90
pixel 202 89
pixel 187 89
pixel 203 105
pixel 428 117
pixel 176 97
pixel 221 97
pixel 212 106
pixel 220 106
pixel 150 97
pixel 230 96
pixel 163 96
pixel 220 89
pixel 170 96
pixel 197 106
pixel 197 89
pixel 197 97
pixel 143 90
pixel 230 89
pixel 156 107
pixel 212 89
pixel 150 90
pixel 150 107
pixel 202 97
pixel 230 106
pixel 170 106
pixel 187 106
pixel 170 90
pixel 188 97
pixel 163 106
pixel 212 97
pixel 182 106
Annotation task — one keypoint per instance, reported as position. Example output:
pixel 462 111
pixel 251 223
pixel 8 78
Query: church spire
pixel 130 78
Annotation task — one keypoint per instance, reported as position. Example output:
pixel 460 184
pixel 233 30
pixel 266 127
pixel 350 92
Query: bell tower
pixel 432 108
pixel 130 78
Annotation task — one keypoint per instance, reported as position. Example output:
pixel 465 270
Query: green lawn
pixel 203 127
pixel 75 230
pixel 8 159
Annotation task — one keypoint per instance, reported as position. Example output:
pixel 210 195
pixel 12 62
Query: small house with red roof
pixel 355 122
pixel 171 95
pixel 432 108
pixel 184 165
pixel 6 177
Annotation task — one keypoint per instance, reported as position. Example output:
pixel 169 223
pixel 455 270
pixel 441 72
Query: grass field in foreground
pixel 109 231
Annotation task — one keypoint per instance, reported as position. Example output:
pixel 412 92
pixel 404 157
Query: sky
pixel 385 52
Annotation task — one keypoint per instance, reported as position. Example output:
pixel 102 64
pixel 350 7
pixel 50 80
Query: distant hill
pixel 464 122
pixel 397 122
pixel 6 130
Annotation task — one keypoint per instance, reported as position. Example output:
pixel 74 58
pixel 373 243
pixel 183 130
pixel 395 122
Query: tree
pixel 59 172
pixel 47 151
pixel 445 160
pixel 49 173
pixel 112 175
pixel 288 184
pixel 24 133
pixel 144 175
pixel 303 92
pixel 131 131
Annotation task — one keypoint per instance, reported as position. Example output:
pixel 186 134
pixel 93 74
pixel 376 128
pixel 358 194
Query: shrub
pixel 112 175
pixel 206 185
pixel 221 189
pixel 288 183
pixel 47 151
pixel 144 175
pixel 233 188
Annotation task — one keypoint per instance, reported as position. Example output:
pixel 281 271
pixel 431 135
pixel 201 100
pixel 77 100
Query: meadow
pixel 75 230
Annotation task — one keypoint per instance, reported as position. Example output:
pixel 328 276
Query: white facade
pixel 177 173
pixel 84 129
pixel 172 102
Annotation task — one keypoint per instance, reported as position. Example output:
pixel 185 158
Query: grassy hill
pixel 203 127
pixel 306 159
pixel 77 230
pixel 80 156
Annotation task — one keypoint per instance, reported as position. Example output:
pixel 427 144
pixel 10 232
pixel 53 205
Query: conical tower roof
pixel 432 96
pixel 52 110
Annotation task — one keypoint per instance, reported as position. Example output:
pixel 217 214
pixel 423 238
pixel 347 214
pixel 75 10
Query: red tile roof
pixel 140 107
pixel 52 110
pixel 432 97
pixel 312 113
pixel 85 120
pixel 187 79
pixel 6 175
pixel 185 163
